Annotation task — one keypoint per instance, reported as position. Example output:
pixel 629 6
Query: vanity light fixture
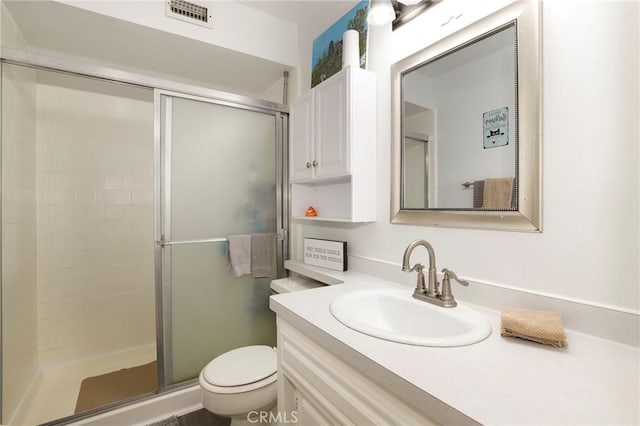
pixel 381 13
pixel 406 10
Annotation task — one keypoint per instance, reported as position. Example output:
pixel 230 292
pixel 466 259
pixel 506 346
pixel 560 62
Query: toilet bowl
pixel 241 383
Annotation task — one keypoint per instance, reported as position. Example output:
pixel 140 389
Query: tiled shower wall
pixel 95 218
pixel 19 307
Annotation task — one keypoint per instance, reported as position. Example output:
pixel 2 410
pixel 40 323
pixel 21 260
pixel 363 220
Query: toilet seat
pixel 237 389
pixel 241 370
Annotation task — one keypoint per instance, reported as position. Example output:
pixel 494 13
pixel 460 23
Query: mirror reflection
pixel 460 129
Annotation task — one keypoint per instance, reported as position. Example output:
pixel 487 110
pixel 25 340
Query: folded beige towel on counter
pixel 537 326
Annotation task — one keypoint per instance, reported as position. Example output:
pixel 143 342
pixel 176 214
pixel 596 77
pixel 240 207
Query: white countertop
pixel 500 380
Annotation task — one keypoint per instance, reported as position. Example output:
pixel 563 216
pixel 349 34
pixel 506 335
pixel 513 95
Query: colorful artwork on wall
pixel 327 48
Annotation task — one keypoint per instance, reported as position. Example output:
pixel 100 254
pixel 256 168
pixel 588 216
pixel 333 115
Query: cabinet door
pixel 299 402
pixel 312 413
pixel 323 389
pixel 301 152
pixel 332 121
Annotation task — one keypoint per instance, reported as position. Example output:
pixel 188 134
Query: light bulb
pixel 381 12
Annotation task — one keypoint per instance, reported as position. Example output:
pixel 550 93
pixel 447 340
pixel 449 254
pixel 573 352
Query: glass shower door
pixel 221 174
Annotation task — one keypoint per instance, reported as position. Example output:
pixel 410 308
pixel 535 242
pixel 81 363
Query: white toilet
pixel 241 383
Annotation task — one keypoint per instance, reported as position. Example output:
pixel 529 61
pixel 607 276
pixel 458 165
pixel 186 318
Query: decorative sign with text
pixel 495 126
pixel 326 253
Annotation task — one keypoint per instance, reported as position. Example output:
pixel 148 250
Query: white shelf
pixel 329 219
pixel 326 276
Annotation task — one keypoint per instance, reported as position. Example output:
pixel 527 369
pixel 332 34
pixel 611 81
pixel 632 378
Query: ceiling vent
pixel 189 12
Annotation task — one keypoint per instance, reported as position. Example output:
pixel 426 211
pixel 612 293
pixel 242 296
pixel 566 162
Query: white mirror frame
pixel 528 217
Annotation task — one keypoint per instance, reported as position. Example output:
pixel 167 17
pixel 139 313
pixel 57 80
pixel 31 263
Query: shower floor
pixel 56 392
pixel 116 386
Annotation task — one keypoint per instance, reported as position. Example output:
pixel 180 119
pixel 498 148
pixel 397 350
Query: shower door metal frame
pixel 162 212
pixel 75 67
pixel 1 251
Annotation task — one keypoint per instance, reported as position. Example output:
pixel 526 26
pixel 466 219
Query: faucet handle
pixel 420 288
pixel 450 274
pixel 447 296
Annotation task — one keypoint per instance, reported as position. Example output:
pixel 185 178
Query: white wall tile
pixel 114 182
pixel 122 197
pixel 19 285
pixel 113 212
pixel 93 235
pixel 142 197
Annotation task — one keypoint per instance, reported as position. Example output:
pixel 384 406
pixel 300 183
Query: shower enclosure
pixel 118 193
pixel 218 177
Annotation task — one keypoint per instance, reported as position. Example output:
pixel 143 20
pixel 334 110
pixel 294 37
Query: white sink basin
pixel 393 314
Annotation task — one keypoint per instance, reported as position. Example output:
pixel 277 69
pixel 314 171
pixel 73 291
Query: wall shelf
pixel 328 219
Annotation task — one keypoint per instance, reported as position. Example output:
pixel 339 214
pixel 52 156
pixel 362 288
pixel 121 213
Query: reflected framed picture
pixel 326 58
pixel 495 128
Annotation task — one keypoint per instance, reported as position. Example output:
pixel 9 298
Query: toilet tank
pixel 294 283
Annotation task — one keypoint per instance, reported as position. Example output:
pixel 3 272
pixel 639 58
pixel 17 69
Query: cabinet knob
pixel 308 165
pixel 315 163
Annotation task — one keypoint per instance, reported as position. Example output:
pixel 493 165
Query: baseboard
pixel 20 411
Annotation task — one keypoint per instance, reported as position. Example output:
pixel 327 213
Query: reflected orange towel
pixel 497 193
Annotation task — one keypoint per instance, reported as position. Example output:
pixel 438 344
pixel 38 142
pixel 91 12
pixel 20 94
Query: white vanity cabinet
pixel 332 150
pixel 323 390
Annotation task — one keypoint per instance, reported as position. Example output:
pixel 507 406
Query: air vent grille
pixel 189 12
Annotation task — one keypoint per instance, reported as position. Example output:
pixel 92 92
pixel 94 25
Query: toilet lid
pixel 242 366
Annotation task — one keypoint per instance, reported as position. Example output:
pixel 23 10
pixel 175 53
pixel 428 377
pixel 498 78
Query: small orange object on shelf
pixel 311 212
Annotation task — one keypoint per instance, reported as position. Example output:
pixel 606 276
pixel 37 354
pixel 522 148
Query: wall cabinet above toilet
pixel 332 154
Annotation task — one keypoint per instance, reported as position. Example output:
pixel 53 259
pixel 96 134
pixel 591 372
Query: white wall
pixel 95 218
pixel 10 35
pixel 589 248
pixel 236 26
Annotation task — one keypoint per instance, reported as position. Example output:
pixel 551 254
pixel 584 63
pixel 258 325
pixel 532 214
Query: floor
pixel 56 393
pixel 202 418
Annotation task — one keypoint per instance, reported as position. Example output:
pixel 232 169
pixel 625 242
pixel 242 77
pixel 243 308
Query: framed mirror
pixel 466 127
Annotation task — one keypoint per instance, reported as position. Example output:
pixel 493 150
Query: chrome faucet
pixel 431 293
pixel 432 290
